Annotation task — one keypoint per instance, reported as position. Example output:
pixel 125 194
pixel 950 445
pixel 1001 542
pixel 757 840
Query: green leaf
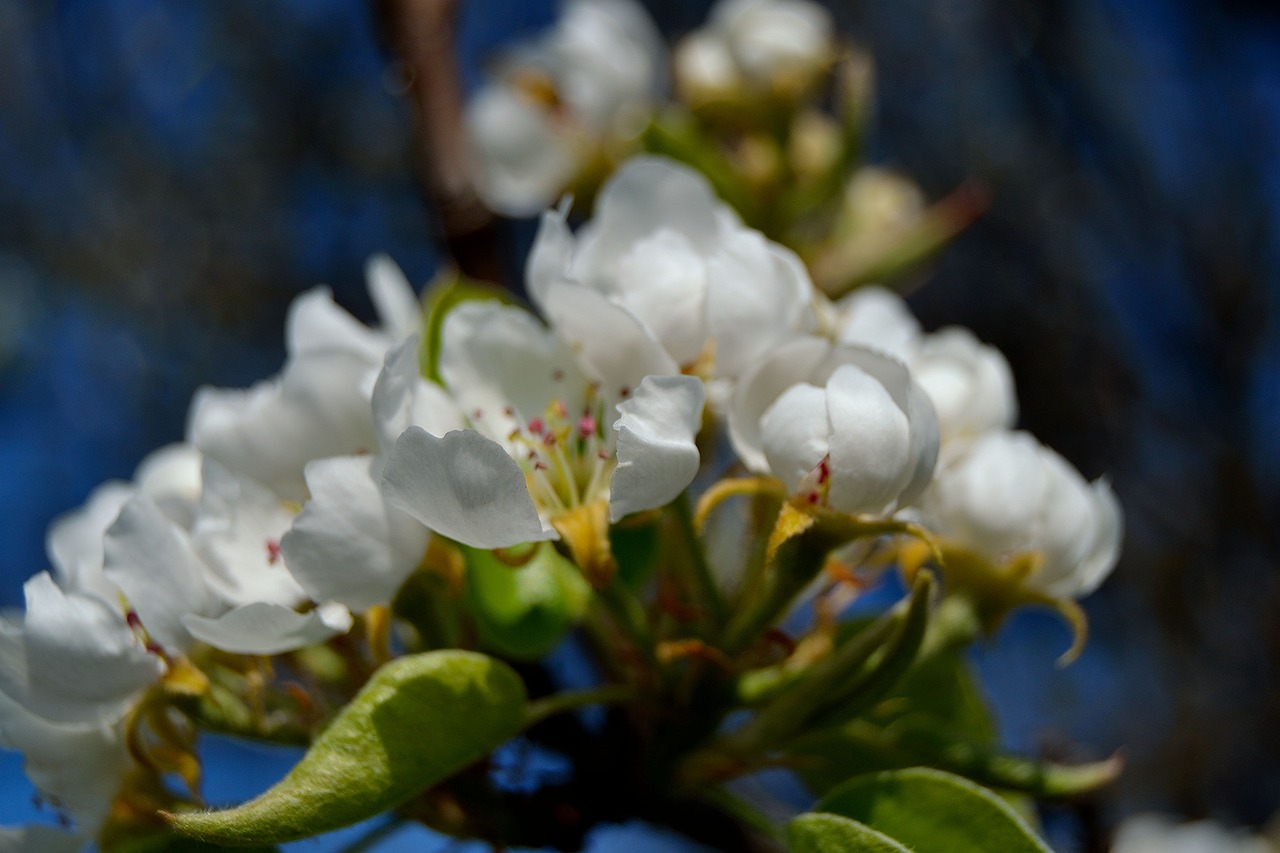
pixel 929 811
pixel 419 720
pixel 828 833
pixel 524 600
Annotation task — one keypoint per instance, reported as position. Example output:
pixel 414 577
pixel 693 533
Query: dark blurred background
pixel 173 173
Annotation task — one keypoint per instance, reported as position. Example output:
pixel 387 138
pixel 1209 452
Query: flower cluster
pixel 473 475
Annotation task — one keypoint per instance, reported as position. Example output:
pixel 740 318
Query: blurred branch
pixel 421 35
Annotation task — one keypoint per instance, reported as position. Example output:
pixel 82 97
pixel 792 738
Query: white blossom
pixel 666 278
pixel 873 317
pixel 1003 494
pixel 319 405
pixel 841 426
pixel 590 79
pixel 969 382
pixel 545 437
pixel 773 44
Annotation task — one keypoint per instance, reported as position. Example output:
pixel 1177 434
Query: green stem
pixel 700 578
pixel 629 614
pixel 557 703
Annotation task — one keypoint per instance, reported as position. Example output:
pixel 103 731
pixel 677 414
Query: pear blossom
pixel 840 426
pixel 319 404
pixel 874 317
pixel 545 438
pixel 1003 494
pixel 590 80
pixel 969 382
pixel 666 275
pixel 770 44
pixel 348 544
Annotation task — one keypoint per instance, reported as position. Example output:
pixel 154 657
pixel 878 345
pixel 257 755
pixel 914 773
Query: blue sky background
pixel 172 173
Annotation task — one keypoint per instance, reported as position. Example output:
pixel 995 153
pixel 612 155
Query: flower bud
pixel 1003 495
pixel 969 383
pixel 843 426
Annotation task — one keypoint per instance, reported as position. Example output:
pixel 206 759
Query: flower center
pixel 566 455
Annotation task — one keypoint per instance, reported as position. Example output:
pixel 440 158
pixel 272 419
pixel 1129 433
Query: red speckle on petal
pixel 557 375
pixel 624 392
pixel 273 551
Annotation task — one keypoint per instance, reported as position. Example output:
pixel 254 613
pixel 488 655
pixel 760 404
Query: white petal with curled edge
pixel 269 629
pixel 316 408
pixel 790 363
pixel 347 545
pixel 1108 537
pixel 402 398
pixel 393 297
pixel 645 194
pixel 171 477
pixel 316 323
pixel 463 486
pixel 154 564
pixel 795 432
pixel 656 450
pixel 871 458
pixel 82 662
pixel 78 765
pixel 612 344
pixel 74 540
pixel 551 253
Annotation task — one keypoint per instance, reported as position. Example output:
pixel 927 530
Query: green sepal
pixel 418 720
pixel 828 833
pixel 524 599
pixel 929 811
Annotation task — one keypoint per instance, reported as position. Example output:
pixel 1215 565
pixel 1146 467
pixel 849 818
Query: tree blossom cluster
pixel 313 495
pixel 661 327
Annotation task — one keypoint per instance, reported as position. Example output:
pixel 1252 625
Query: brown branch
pixel 421 35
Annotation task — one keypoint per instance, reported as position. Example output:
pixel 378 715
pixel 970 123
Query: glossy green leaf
pixel 828 833
pixel 524 600
pixel 929 811
pixel 419 720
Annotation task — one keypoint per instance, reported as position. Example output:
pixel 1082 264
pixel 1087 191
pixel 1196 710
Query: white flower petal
pixel 758 296
pixel 795 433
pixel 662 280
pixel 523 160
pixel 171 477
pixel 393 298
pixel 74 540
pixel 464 486
pixel 82 663
pixel 317 324
pixel 347 545
pixel 154 564
pixel 316 408
pixel 645 194
pixel 878 318
pixel 497 356
pixel 237 533
pixel 551 253
pixel 268 629
pixel 969 383
pixel 794 361
pixel 611 343
pixel 870 440
pixel 77 765
pixel 402 398
pixel 656 449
